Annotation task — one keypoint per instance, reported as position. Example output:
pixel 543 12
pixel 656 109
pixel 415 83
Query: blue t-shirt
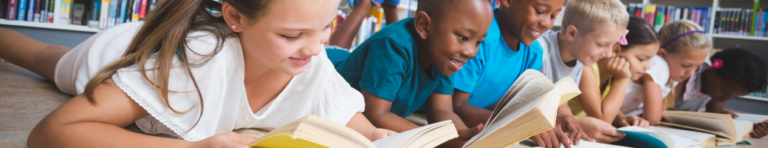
pixel 495 68
pixel 387 65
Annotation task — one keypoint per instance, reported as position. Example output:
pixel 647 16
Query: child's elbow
pixel 37 138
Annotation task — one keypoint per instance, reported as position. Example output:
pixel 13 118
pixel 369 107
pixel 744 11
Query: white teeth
pixel 457 63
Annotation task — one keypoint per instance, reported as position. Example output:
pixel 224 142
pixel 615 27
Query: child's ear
pixel 421 23
pixel 505 3
pixel 616 49
pixel 662 53
pixel 571 32
pixel 232 17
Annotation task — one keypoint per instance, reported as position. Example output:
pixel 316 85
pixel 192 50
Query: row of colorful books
pixel 92 13
pixel 660 15
pixel 744 22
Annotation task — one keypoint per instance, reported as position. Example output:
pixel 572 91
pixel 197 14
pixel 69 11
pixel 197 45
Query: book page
pixel 754 118
pixel 588 144
pixel 699 137
pixel 742 129
pixel 522 97
pixel 398 140
pixel 709 121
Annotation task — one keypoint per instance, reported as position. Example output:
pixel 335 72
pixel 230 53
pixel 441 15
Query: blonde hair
pixel 585 14
pixel 688 41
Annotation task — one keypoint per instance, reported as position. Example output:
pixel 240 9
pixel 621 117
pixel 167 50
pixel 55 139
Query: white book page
pixel 699 137
pixel 397 140
pixel 587 144
pixel 754 118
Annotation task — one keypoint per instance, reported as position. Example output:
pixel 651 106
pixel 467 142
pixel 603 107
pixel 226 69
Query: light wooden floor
pixel 25 98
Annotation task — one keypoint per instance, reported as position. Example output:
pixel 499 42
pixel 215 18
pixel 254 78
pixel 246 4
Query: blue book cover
pixel 638 139
pixel 22 15
pixel 31 10
pixel 123 8
pixel 765 25
pixel 112 13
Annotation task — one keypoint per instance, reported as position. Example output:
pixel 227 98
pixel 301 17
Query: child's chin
pixel 447 71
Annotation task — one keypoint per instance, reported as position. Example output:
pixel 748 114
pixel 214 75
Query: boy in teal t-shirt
pixel 409 63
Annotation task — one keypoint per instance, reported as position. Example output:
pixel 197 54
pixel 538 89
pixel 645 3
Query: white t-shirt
pixel 319 90
pixel 633 100
pixel 553 66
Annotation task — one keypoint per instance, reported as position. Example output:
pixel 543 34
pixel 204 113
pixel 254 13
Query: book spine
pixel 78 13
pixel 150 7
pixel 128 11
pixel 142 9
pixel 4 9
pixel 103 14
pixel 755 8
pixel 718 23
pixel 639 10
pixel 123 10
pixel 21 14
pixel 765 24
pixel 707 18
pixel 93 22
pixel 758 23
pixel 51 5
pixel 659 16
pixel 30 10
pixel 65 11
pixel 12 9
pixel 112 13
pixel 650 10
pixel 631 9
pixel 36 12
pixel 120 15
pixel 686 11
pixel 43 11
pixel 136 10
pixel 668 14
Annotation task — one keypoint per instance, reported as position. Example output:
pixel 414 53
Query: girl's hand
pixel 225 140
pixel 635 121
pixel 601 131
pixel 381 133
pixel 619 67
pixel 759 130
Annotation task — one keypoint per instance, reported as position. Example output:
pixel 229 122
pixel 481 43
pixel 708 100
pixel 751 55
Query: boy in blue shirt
pixel 509 49
pixel 411 62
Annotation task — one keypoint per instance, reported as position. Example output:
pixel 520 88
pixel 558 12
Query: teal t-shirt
pixel 495 68
pixel 387 66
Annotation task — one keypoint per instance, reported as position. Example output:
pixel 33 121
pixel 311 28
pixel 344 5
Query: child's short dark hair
pixel 744 66
pixel 435 8
pixel 640 33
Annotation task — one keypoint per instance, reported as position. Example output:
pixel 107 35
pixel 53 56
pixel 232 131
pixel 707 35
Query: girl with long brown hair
pixel 196 70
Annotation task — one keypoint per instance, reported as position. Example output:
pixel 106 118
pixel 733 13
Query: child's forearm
pixel 392 122
pixel 611 105
pixel 346 32
pixel 390 13
pixel 93 134
pixel 472 115
pixel 653 104
pixel 715 106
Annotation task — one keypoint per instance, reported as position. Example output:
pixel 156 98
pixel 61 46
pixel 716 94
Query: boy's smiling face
pixel 453 38
pixel 594 45
pixel 528 19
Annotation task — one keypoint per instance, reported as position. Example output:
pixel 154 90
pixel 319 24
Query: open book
pixel 729 131
pixel 529 107
pixel 313 131
pixel 664 137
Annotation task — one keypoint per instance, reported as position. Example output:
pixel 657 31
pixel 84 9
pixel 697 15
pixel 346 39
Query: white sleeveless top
pixel 319 90
pixel 633 99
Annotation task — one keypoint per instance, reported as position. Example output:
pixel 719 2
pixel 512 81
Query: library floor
pixel 25 98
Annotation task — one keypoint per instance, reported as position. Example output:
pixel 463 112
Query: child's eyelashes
pixel 463 38
pixel 538 12
pixel 291 38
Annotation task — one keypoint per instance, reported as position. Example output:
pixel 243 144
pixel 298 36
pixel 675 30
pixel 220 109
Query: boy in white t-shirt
pixel 590 29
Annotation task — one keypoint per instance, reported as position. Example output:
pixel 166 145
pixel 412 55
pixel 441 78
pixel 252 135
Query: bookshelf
pixel 739 37
pixel 64 27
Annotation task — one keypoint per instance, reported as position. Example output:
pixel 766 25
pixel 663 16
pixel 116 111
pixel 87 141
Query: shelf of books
pixel 73 15
pixel 727 19
pixel 77 28
pixel 726 36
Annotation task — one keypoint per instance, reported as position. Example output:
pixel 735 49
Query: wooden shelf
pixel 725 36
pixel 77 28
pixel 754 98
